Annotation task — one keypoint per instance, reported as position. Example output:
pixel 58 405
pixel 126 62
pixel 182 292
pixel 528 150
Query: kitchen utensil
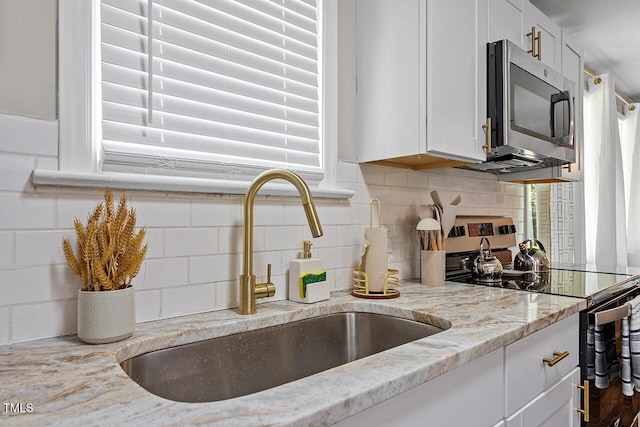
pixel 428 224
pixel 532 257
pixel 424 227
pixel 438 218
pixel 486 267
pixel 425 211
pixel 436 199
pixel 448 219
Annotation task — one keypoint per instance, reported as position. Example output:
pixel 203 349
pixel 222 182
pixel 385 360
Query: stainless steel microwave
pixel 531 110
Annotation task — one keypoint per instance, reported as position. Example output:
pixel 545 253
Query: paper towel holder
pixel 361 285
pixel 374 200
pixel 361 279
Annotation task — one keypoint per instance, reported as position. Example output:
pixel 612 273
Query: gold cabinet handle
pixel 557 356
pixel 585 400
pixel 536 39
pixel 487 127
pixel 532 34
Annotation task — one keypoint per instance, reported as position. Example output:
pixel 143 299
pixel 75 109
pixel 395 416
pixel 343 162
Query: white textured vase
pixel 106 316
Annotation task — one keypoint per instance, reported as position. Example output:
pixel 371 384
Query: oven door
pixel 601 364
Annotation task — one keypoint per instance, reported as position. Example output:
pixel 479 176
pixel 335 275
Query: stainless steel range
pixel 606 293
pixel 463 247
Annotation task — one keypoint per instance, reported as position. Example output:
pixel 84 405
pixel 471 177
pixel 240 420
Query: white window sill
pixel 122 181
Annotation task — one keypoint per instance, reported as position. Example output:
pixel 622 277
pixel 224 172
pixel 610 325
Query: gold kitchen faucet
pixel 249 290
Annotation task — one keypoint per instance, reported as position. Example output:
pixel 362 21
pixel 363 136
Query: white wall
pixel 195 240
pixel 28 58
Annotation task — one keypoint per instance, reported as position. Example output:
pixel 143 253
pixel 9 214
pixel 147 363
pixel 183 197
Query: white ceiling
pixel 609 33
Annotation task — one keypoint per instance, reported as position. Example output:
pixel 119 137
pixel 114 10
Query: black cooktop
pixel 573 283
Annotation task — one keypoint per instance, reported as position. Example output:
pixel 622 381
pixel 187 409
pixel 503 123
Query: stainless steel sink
pixel 248 362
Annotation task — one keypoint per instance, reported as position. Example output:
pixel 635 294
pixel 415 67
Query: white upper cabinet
pixel 506 21
pixel 421 79
pixel 543 37
pixel 421 82
pixel 522 23
pixel 573 69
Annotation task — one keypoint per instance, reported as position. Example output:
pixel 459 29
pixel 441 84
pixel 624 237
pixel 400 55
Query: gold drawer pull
pixel 585 398
pixel 557 357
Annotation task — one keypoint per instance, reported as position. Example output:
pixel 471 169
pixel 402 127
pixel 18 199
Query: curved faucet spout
pixel 249 291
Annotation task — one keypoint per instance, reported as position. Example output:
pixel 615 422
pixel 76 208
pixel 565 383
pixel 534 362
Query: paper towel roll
pixel 375 261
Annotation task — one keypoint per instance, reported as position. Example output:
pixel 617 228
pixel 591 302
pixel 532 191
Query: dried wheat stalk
pixel 110 252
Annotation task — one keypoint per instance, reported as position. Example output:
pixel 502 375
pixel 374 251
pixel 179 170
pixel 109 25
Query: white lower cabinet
pixel 470 396
pixel 509 387
pixel 526 375
pixel 555 407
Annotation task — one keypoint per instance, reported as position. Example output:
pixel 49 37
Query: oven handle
pixel 614 309
pixel 612 314
pixel 628 288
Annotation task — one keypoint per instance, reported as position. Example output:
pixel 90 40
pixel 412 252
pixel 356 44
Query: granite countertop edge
pixel 68 382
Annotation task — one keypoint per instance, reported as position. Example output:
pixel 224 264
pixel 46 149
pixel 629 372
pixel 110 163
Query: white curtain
pixel 604 188
pixel 630 147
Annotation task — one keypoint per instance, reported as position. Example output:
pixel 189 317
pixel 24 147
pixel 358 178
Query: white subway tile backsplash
pixel 42 247
pixel 76 205
pixel 190 241
pixel 372 175
pixel 162 213
pixel 154 239
pixel 195 242
pixel 162 273
pixel 148 306
pixel 48 319
pixel 216 268
pixel 360 192
pixel 396 177
pixel 260 261
pixel 327 240
pixel 230 239
pixel 188 299
pixel 16 172
pixel 24 135
pixel 348 172
pixel 7 244
pixel 25 285
pixel 64 283
pixel 285 237
pixel 418 180
pixel 217 212
pixel 336 257
pixel 23 211
pixel 227 294
pixel 350 235
pixel 269 213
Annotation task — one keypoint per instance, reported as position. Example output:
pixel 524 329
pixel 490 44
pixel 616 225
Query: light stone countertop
pixel 71 383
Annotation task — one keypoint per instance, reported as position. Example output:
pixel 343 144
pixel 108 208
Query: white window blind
pixel 216 87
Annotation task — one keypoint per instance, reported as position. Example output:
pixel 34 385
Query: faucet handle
pixel 268 289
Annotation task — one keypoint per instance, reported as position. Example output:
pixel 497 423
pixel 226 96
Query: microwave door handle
pixel 572 119
pixel 555 99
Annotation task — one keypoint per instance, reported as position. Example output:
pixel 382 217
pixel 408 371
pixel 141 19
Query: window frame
pixel 80 151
